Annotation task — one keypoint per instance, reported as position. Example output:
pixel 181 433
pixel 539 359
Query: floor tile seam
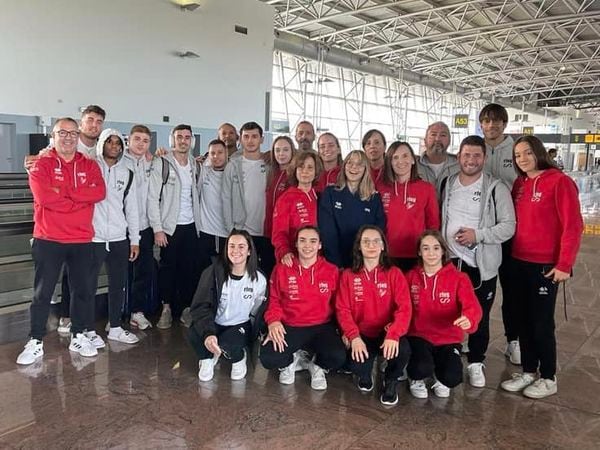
pixel 570 360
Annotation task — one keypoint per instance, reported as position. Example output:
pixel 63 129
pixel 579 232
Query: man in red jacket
pixel 65 185
pixel 300 314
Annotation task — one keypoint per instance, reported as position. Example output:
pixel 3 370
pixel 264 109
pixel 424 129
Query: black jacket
pixel 206 301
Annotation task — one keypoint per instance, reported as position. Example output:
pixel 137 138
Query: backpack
pixel 165 175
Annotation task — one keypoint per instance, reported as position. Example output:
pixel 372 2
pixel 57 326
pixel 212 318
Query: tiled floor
pixel 148 396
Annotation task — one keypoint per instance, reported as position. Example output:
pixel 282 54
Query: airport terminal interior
pixel 346 66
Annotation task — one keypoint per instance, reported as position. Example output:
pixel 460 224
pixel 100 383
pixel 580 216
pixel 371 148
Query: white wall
pixel 59 55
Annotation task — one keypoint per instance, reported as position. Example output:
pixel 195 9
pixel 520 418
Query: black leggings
pixel 323 340
pixel 232 340
pixel 395 365
pixel 427 360
pixel 536 298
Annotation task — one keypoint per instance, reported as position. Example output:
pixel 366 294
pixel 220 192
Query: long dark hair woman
pixel 545 245
pixel 226 306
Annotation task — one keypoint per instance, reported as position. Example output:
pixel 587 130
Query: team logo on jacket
pixel 507 163
pixel 385 200
pixel 476 196
pixel 444 297
pixel 536 197
pixel 82 177
pixel 382 288
pixel 367 210
pixel 415 294
pixel 323 287
pixel 410 202
pixel 337 205
pixel 120 185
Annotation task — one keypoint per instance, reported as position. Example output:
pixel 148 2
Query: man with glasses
pixel 65 187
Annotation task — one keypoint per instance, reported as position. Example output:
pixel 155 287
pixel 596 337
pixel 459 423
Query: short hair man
pixel 436 164
pixel 493 120
pixel 140 159
pixel 477 217
pixel 305 135
pixel 90 127
pixel 244 184
pixel 174 215
pixel 210 186
pixel 228 134
pixel 65 187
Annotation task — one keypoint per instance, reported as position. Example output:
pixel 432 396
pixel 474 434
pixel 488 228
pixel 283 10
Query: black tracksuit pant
pixel 209 247
pixel 486 293
pixel 232 340
pixel 116 257
pixel 427 360
pixel 395 366
pixel 509 301
pixel 322 340
pixel 141 272
pixel 178 268
pixel 48 259
pixel 536 298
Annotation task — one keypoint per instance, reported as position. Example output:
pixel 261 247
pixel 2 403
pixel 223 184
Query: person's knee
pixel 333 359
pixel 451 378
pixel 419 368
pixel 270 359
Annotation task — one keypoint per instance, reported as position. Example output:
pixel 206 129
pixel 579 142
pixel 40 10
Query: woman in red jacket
pixel 282 153
pixel 410 204
pixel 297 206
pixel 300 314
pixel 331 155
pixel 373 309
pixel 444 308
pixel 545 245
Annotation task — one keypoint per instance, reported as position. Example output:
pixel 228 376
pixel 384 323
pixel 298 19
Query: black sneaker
pixel 389 396
pixel 365 384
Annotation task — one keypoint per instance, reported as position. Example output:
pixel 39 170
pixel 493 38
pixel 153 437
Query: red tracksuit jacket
pixel 377 174
pixel 367 302
pixel 294 209
pixel 327 178
pixel 274 191
pixel 549 222
pixel 65 216
pixel 410 208
pixel 438 301
pixel 302 297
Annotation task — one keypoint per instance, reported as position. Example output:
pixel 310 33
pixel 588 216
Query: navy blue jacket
pixel 340 215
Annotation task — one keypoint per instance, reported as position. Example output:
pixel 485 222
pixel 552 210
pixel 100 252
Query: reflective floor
pixel 148 396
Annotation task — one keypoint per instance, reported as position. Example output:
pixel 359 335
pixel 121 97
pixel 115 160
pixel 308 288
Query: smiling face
pixel 283 152
pixel 139 143
pixel 328 149
pixel 227 134
pixel 493 129
pixel 471 159
pixel 238 250
pixel 375 149
pixel 217 154
pixel 402 162
pixel 525 158
pixel 91 125
pixel 308 244
pixel 306 172
pixel 437 139
pixel 305 136
pixel 183 140
pixel 112 147
pixel 354 169
pixel 432 252
pixel 65 134
pixel 371 245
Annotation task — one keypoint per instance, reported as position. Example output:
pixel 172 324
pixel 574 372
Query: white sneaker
pixel 166 319
pixel 82 345
pixel 287 375
pixel 33 350
pixel 317 377
pixel 64 325
pixel 121 335
pixel 139 320
pixel 96 340
pixel 239 369
pixel 476 375
pixel 518 382
pixel 186 317
pixel 440 390
pixel 418 389
pixel 541 388
pixel 206 368
pixel 303 360
pixel 513 352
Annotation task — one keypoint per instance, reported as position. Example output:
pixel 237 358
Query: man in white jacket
pixel 117 234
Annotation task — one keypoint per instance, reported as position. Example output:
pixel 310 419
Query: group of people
pixel 381 253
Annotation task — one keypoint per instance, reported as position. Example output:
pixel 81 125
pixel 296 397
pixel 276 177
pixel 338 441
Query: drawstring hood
pixel 396 183
pixel 375 273
pixel 435 280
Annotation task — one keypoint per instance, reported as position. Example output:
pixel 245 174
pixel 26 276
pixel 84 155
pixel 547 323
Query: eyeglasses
pixel 65 133
pixel 370 242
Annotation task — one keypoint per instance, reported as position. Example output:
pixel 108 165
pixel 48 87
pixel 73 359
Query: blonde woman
pixel 345 207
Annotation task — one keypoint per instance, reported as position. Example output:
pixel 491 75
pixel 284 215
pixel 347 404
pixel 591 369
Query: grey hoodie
pixel 141 169
pixel 116 215
pixel 163 212
pixel 234 206
pixel 496 222
pixel 450 167
pixel 499 162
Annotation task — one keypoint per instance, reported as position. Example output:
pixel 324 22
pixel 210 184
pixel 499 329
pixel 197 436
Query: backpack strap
pixel 129 181
pixel 165 177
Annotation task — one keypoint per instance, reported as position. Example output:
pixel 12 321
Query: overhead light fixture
pixel 325 80
pixel 190 6
pixel 187 54
pixel 363 61
pixel 562 68
pixel 307 81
